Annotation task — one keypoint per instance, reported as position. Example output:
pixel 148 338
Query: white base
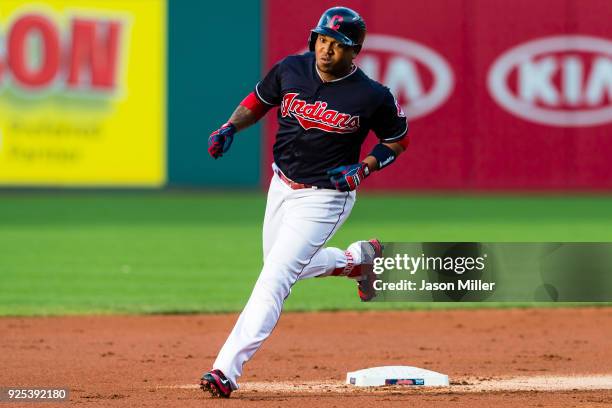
pixel 396 375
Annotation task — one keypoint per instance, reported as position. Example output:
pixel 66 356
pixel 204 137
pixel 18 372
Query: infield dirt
pixel 502 358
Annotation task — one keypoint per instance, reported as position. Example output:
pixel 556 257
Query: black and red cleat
pixel 365 285
pixel 216 384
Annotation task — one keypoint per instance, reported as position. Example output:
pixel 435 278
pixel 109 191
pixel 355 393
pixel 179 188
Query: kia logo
pixel 556 81
pixel 414 73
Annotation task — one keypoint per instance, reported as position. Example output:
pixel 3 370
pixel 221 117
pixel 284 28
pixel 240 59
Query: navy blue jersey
pixel 322 125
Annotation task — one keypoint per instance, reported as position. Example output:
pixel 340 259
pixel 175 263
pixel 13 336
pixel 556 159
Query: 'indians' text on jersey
pixel 322 125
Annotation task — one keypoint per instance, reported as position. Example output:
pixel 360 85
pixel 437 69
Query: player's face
pixel 333 58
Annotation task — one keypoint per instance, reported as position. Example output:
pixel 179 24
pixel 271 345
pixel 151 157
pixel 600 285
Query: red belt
pixel 292 184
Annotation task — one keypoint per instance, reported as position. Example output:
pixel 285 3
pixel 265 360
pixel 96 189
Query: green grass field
pixel 171 252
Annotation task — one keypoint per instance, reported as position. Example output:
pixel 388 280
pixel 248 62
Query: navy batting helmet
pixel 342 24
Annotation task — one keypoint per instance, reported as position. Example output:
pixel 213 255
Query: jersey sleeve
pixel 268 90
pixel 389 121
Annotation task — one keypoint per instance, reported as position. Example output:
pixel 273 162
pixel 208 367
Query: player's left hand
pixel 220 140
pixel 347 178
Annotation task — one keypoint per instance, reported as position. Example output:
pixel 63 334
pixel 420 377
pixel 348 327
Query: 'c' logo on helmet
pixel 334 22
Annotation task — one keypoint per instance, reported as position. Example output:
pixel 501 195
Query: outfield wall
pixel 95 93
pixel 83 93
pixel 500 95
pixel 213 60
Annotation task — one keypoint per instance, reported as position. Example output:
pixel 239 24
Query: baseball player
pixel 327 107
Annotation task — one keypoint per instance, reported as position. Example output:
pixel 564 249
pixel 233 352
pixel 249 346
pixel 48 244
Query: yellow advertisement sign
pixel 83 93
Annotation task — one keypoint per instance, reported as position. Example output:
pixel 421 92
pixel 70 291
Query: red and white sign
pixel 558 81
pixel 500 95
pixel 413 72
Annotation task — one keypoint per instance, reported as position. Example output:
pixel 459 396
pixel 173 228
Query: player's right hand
pixel 220 140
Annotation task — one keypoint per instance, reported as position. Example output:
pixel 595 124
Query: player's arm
pixel 396 148
pixel 347 178
pixel 242 118
pixel 252 108
pixel 391 127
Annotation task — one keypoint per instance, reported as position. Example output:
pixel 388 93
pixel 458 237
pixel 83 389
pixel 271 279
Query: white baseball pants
pixel 296 226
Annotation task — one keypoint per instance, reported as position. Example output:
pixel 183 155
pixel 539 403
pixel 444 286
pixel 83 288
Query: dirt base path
pixel 506 358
